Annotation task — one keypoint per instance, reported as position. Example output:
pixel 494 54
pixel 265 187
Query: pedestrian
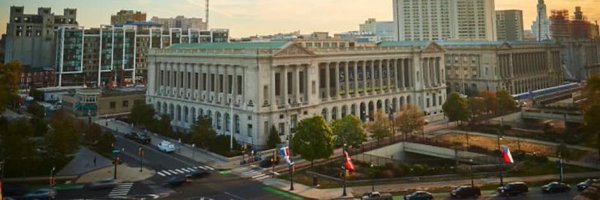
pixel 94 161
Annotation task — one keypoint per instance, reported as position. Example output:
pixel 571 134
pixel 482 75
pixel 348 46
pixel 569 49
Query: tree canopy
pixel 142 114
pixel 591 108
pixel 313 139
pixel 411 119
pixel 456 108
pixel 15 142
pixel 349 130
pixel 10 76
pixel 274 138
pixel 64 136
pixel 506 103
pixel 380 127
pixel 202 132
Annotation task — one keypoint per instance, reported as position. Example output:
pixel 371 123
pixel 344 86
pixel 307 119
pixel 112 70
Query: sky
pixel 263 17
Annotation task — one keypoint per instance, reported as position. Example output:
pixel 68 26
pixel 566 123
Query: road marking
pixel 161 174
pixel 173 172
pixel 262 177
pixel 210 167
pixel 196 167
pixel 166 172
pixel 120 190
pixel 201 167
pixel 179 171
pixel 259 175
pixel 191 169
pixel 186 170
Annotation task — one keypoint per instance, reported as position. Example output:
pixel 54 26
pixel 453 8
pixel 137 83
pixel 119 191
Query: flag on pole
pixel 285 153
pixel 348 162
pixel 508 159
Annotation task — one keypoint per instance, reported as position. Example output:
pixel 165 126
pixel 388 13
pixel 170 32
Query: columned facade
pixel 282 84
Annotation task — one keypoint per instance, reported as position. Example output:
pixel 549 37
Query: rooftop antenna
pixel 207 14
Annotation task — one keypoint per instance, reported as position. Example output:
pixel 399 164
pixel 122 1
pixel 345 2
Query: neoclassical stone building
pixel 246 88
pixel 516 67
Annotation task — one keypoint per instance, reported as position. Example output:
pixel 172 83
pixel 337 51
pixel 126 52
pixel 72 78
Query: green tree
pixel 105 142
pixel 163 126
pixel 381 127
pixel 142 114
pixel 37 120
pixel 349 130
pixel 506 103
pixel 591 108
pixel 490 102
pixel 313 139
pixel 456 108
pixel 64 135
pixel 411 119
pixel 10 76
pixel 477 106
pixel 202 133
pixel 274 138
pixel 16 143
pixel 93 134
pixel 563 151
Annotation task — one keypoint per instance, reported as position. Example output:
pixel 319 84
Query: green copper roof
pixel 460 43
pixel 233 45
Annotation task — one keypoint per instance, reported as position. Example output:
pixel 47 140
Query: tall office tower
pixel 509 24
pixel 30 37
pixel 541 26
pixel 125 16
pixel 384 31
pixel 445 20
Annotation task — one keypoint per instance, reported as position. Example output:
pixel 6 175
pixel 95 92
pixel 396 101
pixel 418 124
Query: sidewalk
pixel 307 191
pixel 83 162
pixel 125 173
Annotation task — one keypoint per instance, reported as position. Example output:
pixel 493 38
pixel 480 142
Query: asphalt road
pixel 534 194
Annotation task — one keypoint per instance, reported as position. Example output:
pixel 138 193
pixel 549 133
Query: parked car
pixel 465 192
pixel 142 138
pixel 513 188
pixel 377 196
pixel 555 187
pixel 177 181
pixel 586 184
pixel 42 194
pixel 166 146
pixel 198 174
pixel 102 184
pixel 419 195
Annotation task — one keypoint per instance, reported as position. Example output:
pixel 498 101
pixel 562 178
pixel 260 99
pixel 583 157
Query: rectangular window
pixel 289 83
pixel 196 81
pixel 160 78
pixel 113 105
pixel 169 78
pixel 301 82
pixel 249 130
pixel 125 103
pixel 277 84
pixel 204 81
pixel 189 80
pixel 212 82
pixel 221 83
pixel 239 85
pixel 230 84
pixel 181 79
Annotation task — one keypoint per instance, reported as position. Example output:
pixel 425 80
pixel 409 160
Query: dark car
pixel 514 188
pixel 102 184
pixel 586 184
pixel 14 190
pixel 419 195
pixel 142 138
pixel 177 181
pixel 41 194
pixel 465 192
pixel 268 162
pixel 555 187
pixel 198 174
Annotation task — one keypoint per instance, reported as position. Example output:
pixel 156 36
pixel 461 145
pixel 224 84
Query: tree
pixel 142 114
pixel 592 90
pixel 10 76
pixel 456 108
pixel 506 103
pixel 64 135
pixel 37 120
pixel 93 134
pixel 16 143
pixel 274 138
pixel 591 108
pixel 490 102
pixel 202 132
pixel 163 126
pixel 105 142
pixel 411 119
pixel 349 130
pixel 313 139
pixel 380 127
pixel 476 106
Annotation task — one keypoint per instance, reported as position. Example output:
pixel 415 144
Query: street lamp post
pixel 372 179
pixel 291 164
pixel 193 151
pixel 471 170
pixel 141 154
pixel 500 158
pixel 52 180
pixel 344 174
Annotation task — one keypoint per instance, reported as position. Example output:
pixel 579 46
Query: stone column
pixel 327 82
pixel 296 83
pixel 380 69
pixel 285 85
pixel 390 86
pixel 347 79
pixel 337 80
pixel 364 74
pixel 355 78
pixel 372 75
pixel 400 70
pixel 272 90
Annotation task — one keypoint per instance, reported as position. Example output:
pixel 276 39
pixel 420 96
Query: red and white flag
pixel 508 159
pixel 348 162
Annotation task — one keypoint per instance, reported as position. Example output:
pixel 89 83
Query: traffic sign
pixel 116 151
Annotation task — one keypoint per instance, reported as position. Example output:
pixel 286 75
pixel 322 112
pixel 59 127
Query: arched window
pixel 237 124
pixel 219 121
pixel 227 122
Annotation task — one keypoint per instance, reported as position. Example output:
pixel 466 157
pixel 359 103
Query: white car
pixel 166 146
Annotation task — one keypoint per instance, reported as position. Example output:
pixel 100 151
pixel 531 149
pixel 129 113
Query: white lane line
pixel 210 167
pixel 201 167
pixel 161 174
pixel 173 172
pixel 179 171
pixel 191 169
pixel 166 172
pixel 186 170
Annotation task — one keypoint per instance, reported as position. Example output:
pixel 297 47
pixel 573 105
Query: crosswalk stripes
pixel 120 190
pixel 183 170
pixel 255 174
